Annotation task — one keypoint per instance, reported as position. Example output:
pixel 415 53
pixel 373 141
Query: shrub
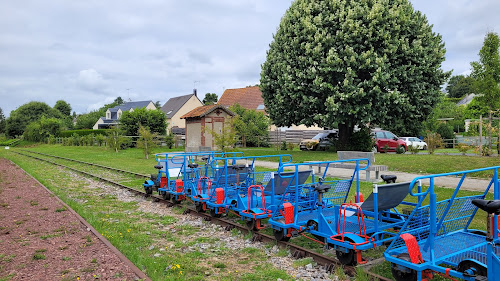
pixel 463 148
pixel 83 132
pixel 433 141
pixel 413 149
pixel 361 141
pixel 400 149
pixel 290 146
pixel 283 146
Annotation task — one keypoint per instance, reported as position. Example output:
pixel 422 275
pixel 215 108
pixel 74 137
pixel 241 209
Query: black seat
pixel 193 165
pixel 489 206
pixel 389 178
pixel 321 188
pixel 158 167
pixel 204 158
pixel 238 167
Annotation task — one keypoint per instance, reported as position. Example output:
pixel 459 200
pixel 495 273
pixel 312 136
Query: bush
pixel 83 132
pixel 463 148
pixel 290 146
pixel 283 146
pixel 433 141
pixel 361 141
pixel 446 131
pixel 413 149
pixel 400 149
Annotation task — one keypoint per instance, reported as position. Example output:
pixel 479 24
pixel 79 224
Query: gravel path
pixel 40 239
pixel 448 182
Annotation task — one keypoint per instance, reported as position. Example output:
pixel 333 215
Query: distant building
pixel 175 107
pixel 114 114
pixel 249 98
pixel 209 116
pixel 467 99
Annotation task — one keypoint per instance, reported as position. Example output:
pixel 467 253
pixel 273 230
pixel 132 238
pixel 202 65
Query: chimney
pixel 194 92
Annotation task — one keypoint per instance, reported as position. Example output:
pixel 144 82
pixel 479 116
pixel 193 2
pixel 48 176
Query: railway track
pixel 299 252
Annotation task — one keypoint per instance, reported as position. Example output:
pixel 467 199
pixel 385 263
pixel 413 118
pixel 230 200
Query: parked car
pixel 387 140
pixel 415 142
pixel 321 141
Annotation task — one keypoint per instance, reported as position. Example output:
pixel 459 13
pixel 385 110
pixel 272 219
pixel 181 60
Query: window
pixel 108 115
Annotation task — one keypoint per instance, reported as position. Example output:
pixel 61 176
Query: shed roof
pixel 205 110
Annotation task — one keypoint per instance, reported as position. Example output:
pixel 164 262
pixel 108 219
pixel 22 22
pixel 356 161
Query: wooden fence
pixel 292 136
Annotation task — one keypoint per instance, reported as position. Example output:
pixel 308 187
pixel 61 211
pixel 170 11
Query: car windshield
pixel 319 136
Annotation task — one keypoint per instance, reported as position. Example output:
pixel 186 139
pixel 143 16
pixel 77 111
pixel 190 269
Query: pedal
pixel 294 233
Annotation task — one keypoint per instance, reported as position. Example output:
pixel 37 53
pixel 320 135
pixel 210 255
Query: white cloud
pixel 90 80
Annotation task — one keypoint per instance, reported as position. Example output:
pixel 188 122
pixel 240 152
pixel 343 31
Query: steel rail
pixel 297 251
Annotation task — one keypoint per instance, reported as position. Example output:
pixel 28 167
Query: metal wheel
pixel 214 214
pixel 252 225
pixel 399 275
pixel 348 258
pixel 175 201
pixel 149 190
pixel 199 207
pixel 475 267
pixel 280 235
pixel 165 195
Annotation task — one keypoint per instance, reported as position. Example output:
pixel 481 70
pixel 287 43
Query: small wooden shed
pixel 213 117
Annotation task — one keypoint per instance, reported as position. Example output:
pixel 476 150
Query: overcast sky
pixel 89 52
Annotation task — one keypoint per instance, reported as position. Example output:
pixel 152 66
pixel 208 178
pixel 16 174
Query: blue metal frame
pixel 236 188
pixel 441 230
pixel 321 218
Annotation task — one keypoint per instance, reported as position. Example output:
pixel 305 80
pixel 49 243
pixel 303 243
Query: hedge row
pixel 8 142
pixel 82 132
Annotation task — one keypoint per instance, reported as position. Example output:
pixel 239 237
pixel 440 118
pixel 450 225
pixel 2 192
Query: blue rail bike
pixel 178 171
pixel 321 209
pixel 240 188
pixel 436 238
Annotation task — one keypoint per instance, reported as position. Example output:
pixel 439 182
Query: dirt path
pixel 40 239
pixel 448 182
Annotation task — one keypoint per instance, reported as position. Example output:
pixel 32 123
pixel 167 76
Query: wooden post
pixel 481 135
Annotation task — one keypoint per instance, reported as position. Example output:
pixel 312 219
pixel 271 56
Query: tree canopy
pixel 486 73
pixel 210 98
pixel 2 121
pixel 27 113
pixel 459 86
pixel 155 120
pixel 352 63
pixel 63 107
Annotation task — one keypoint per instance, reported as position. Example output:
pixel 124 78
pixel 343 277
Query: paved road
pixel 448 182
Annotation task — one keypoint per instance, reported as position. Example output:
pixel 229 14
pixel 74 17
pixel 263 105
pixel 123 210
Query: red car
pixel 386 138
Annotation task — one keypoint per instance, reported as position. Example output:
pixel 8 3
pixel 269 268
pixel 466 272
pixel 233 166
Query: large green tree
pixel 459 86
pixel 2 121
pixel 352 63
pixel 63 107
pixel 155 120
pixel 210 98
pixel 27 113
pixel 486 73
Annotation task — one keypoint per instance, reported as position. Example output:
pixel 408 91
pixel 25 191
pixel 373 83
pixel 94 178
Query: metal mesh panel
pixel 338 191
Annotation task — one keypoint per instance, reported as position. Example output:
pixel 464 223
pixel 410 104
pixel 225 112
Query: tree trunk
pixel 345 133
pixel 489 131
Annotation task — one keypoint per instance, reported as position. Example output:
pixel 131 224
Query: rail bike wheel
pixel 280 235
pixel 477 268
pixel 252 225
pixel 399 275
pixel 174 201
pixel 348 258
pixel 165 195
pixel 199 207
pixel 214 214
